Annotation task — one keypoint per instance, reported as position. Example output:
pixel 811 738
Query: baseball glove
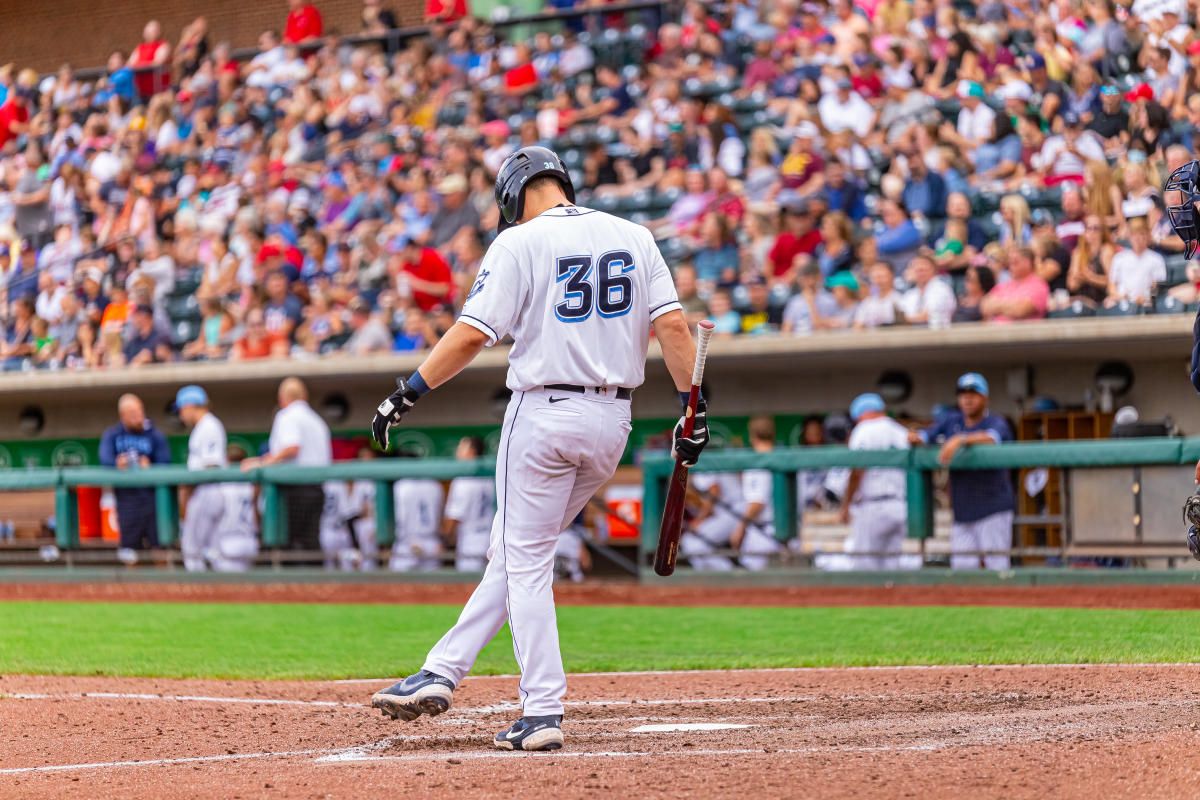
pixel 1191 515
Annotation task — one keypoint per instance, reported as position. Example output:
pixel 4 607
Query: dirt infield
pixel 993 732
pixel 1170 596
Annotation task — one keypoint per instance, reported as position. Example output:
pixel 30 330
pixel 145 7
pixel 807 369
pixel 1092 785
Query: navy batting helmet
pixel 1180 194
pixel 519 169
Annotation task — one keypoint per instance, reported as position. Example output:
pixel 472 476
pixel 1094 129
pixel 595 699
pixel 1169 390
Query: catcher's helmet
pixel 519 169
pixel 1181 193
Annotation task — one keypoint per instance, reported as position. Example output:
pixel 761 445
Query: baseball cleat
pixel 532 733
pixel 423 693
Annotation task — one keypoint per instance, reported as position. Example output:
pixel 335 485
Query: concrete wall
pixel 778 376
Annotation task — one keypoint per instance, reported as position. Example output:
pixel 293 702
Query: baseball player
pixel 1180 195
pixel 719 496
pixel 578 291
pixel 876 500
pixel 361 510
pixel 336 542
pixel 470 507
pixel 754 537
pixel 418 518
pixel 204 505
pixel 236 546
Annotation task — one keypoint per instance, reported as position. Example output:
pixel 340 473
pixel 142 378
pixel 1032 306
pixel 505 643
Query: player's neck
pixel 540 201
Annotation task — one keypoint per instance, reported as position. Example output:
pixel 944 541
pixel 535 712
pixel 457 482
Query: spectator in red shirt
pixel 150 62
pixel 521 79
pixel 445 10
pixel 799 235
pixel 428 275
pixel 763 69
pixel 303 22
pixel 866 79
pixel 14 114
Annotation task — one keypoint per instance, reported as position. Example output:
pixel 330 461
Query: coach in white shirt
pixel 1135 269
pixel 298 436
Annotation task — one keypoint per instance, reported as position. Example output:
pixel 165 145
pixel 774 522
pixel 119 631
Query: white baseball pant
pixel 877 528
pixel 992 534
pixel 552 459
pixel 201 525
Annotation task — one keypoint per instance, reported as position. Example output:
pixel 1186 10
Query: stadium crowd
pixel 806 166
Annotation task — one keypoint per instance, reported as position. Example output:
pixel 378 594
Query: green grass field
pixel 219 640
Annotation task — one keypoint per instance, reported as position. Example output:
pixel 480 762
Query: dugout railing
pixel 1132 456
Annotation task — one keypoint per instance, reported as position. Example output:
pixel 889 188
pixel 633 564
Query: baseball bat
pixel 672 522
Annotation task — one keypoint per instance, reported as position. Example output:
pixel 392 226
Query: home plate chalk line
pixel 680 727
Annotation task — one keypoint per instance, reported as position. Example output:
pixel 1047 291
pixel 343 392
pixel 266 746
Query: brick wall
pixel 43 35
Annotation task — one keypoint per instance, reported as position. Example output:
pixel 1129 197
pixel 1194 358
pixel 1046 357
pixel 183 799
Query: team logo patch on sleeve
pixel 478 287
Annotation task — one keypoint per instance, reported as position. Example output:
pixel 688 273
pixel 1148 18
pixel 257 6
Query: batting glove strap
pixel 391 411
pixel 689 449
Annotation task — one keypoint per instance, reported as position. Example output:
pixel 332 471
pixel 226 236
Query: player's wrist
pixel 417 383
pixel 685 396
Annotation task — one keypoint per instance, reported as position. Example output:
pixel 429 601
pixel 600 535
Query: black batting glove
pixel 391 411
pixel 688 450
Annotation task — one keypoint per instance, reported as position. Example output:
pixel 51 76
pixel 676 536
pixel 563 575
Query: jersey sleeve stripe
pixel 480 325
pixel 664 308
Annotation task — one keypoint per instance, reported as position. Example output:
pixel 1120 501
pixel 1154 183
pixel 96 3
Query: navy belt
pixel 622 392
pixel 880 498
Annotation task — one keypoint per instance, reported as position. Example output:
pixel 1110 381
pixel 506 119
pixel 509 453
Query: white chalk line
pixel 497 708
pixel 349 757
pixel 155 762
pixel 181 698
pixel 877 668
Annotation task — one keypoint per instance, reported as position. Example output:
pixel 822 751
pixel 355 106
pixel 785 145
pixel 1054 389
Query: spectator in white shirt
pixel 883 305
pixel 1064 157
pixel 975 118
pixel 844 109
pixel 930 298
pixel 1135 269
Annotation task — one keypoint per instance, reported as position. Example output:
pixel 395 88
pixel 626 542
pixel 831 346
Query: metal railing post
pixel 783 498
pixel 385 514
pixel 66 517
pixel 274 524
pixel 920 503
pixel 166 509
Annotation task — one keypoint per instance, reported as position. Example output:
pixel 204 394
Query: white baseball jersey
pixel 880 433
pixel 471 503
pixel 418 509
pixel 758 487
pixel 239 519
pixel 207 444
pixel 557 284
pixel 299 425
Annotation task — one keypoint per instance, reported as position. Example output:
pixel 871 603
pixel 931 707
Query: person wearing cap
pixel 369 333
pixel 145 343
pixel 134 443
pixel 1111 121
pixel 455 215
pixel 810 303
pixel 1063 157
pixel 204 504
pixel 975 119
pixel 844 109
pixel 876 500
pixel 1048 95
pixel 981 500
